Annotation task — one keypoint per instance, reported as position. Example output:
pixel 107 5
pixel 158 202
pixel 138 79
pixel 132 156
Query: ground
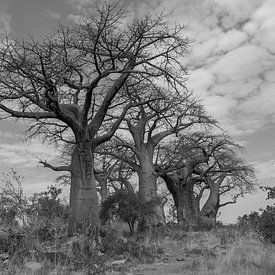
pixel 219 251
pixel 224 250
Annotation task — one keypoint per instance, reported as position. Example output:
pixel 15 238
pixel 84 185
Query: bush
pixel 16 244
pixel 13 204
pixel 128 207
pixel 143 251
pixel 266 225
pixel 47 204
pixel 262 223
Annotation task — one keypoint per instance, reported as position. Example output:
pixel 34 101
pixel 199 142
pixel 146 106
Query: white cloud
pixel 78 4
pixel 265 170
pixel 52 14
pixel 25 155
pixel 230 40
pixel 245 62
pixel 5 18
pixel 8 135
pixel 219 107
pixel 264 25
pixel 201 80
pixel 77 19
pixel 236 70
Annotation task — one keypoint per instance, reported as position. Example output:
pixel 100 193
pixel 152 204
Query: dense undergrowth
pixel 33 241
pixel 222 250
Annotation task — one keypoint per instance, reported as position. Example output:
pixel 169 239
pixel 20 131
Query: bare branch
pixel 55 168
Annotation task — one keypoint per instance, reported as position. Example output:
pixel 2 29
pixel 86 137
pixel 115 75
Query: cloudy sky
pixel 231 66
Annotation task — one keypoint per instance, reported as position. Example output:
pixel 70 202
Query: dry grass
pixel 248 257
pixel 223 251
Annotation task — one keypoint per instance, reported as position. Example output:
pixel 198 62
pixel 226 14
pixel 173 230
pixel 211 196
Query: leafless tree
pixel 165 114
pixel 228 178
pixel 179 160
pixel 66 84
pixel 202 161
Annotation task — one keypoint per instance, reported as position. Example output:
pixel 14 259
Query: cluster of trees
pixel 112 95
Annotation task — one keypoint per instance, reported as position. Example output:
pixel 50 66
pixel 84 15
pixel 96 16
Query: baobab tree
pixel 145 127
pixel 228 178
pixel 66 84
pixel 179 161
pixel 202 161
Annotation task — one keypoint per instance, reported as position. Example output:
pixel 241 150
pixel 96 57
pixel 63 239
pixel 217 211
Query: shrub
pixel 12 201
pixel 266 224
pixel 143 251
pixel 47 204
pixel 263 223
pixel 128 207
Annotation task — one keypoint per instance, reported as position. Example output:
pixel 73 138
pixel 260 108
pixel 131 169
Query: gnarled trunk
pixel 210 209
pixel 211 206
pixel 182 193
pixel 84 212
pixel 148 192
pixel 185 210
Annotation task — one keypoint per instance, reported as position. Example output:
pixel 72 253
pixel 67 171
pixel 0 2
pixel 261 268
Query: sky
pixel 231 67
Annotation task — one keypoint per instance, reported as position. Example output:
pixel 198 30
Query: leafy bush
pixel 267 223
pixel 85 256
pixel 47 204
pixel 128 207
pixel 16 244
pixel 143 251
pixel 13 203
pixel 263 223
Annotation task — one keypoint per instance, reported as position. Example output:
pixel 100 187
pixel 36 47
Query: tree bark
pixel 103 189
pixel 210 209
pixel 84 212
pixel 183 196
pixel 148 191
pixel 186 212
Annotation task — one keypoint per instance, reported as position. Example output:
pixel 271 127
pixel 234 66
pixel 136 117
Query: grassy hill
pixel 223 250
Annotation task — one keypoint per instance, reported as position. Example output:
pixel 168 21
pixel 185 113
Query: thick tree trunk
pixel 186 212
pixel 210 209
pixel 84 212
pixel 148 192
pixel 182 193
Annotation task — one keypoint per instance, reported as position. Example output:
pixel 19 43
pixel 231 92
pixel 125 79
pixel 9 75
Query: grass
pixel 224 250
pixel 220 251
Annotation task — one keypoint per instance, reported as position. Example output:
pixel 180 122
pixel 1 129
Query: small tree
pixel 13 203
pixel 124 205
pixel 47 204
